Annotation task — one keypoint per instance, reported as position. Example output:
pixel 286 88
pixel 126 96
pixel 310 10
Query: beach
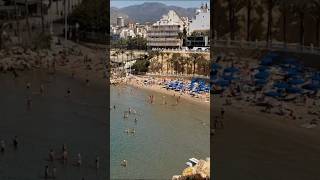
pixel 259 141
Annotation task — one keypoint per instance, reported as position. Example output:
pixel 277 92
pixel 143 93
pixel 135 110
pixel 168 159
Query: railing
pixel 262 45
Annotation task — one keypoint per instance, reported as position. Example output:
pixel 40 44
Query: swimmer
pixel 46 172
pixel 79 161
pixel 65 156
pixel 124 163
pixel 29 103
pixel 68 92
pixel 51 155
pixel 54 172
pixel 41 89
pixel 28 85
pixel 15 142
pixel 97 162
pixel 2 146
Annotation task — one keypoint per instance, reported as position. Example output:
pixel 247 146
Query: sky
pixel 179 3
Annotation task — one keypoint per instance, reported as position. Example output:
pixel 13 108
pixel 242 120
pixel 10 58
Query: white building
pixel 120 21
pixel 126 33
pixel 165 32
pixel 201 21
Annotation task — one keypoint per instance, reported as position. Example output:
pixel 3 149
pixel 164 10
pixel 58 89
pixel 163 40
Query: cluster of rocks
pixel 20 59
pixel 200 171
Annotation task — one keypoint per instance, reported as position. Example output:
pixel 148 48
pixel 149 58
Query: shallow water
pixel 166 135
pixel 78 121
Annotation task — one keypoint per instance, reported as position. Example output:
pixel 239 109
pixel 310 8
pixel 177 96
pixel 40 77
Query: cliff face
pixel 201 171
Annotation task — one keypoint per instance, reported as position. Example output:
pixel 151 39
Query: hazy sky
pixel 180 3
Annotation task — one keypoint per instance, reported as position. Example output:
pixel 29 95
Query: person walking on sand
pixel 51 155
pixel 64 147
pixel 68 92
pixel 54 172
pixel 15 142
pixel 2 146
pixel 46 172
pixel 65 156
pixel 79 160
pixel 222 113
pixel 97 162
pixel 29 103
pixel 28 85
pixel 41 89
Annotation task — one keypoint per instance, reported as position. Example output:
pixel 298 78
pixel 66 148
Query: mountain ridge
pixel 147 12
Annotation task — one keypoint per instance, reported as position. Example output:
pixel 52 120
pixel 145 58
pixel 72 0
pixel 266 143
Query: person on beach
pixel 64 147
pixel 87 82
pixel 15 142
pixel 29 103
pixel 65 156
pixel 41 89
pixel 51 155
pixel 79 160
pixel 114 106
pixel 135 120
pixel 46 172
pixel 222 113
pixel 68 92
pixel 54 172
pixel 97 162
pixel 2 146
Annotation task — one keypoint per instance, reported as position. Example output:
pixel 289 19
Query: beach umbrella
pixel 262 75
pixel 281 85
pixel 261 82
pixel 231 70
pixel 263 68
pixel 228 77
pixel 296 81
pixel 266 61
pixel 273 94
pixel 216 66
pixel 222 83
pixel 312 87
pixel 294 90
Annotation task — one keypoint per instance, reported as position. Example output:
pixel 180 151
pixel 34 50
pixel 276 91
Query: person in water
pixel 51 155
pixel 97 162
pixel 46 172
pixel 29 103
pixel 79 161
pixel 15 142
pixel 2 146
pixel 68 92
pixel 41 89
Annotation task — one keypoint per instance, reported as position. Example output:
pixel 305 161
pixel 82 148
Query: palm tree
pixel 16 18
pixel 162 54
pixel 316 15
pixel 174 61
pixel 188 62
pixel 284 9
pixel 232 7
pixel 270 6
pixel 195 58
pixel 42 17
pixel 3 26
pixel 249 5
pixel 301 7
pixel 27 17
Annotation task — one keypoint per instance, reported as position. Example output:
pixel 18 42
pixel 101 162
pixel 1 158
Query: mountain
pixel 114 13
pixel 148 12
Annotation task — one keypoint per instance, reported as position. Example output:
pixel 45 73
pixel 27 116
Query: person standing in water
pixel 15 142
pixel 46 172
pixel 29 103
pixel 51 155
pixel 54 172
pixel 2 146
pixel 79 160
pixel 97 162
pixel 41 89
pixel 68 92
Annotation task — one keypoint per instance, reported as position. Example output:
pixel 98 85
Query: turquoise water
pixel 166 136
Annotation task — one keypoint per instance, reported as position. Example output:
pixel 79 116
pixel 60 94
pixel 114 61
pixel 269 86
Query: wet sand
pixel 255 145
pixel 79 121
